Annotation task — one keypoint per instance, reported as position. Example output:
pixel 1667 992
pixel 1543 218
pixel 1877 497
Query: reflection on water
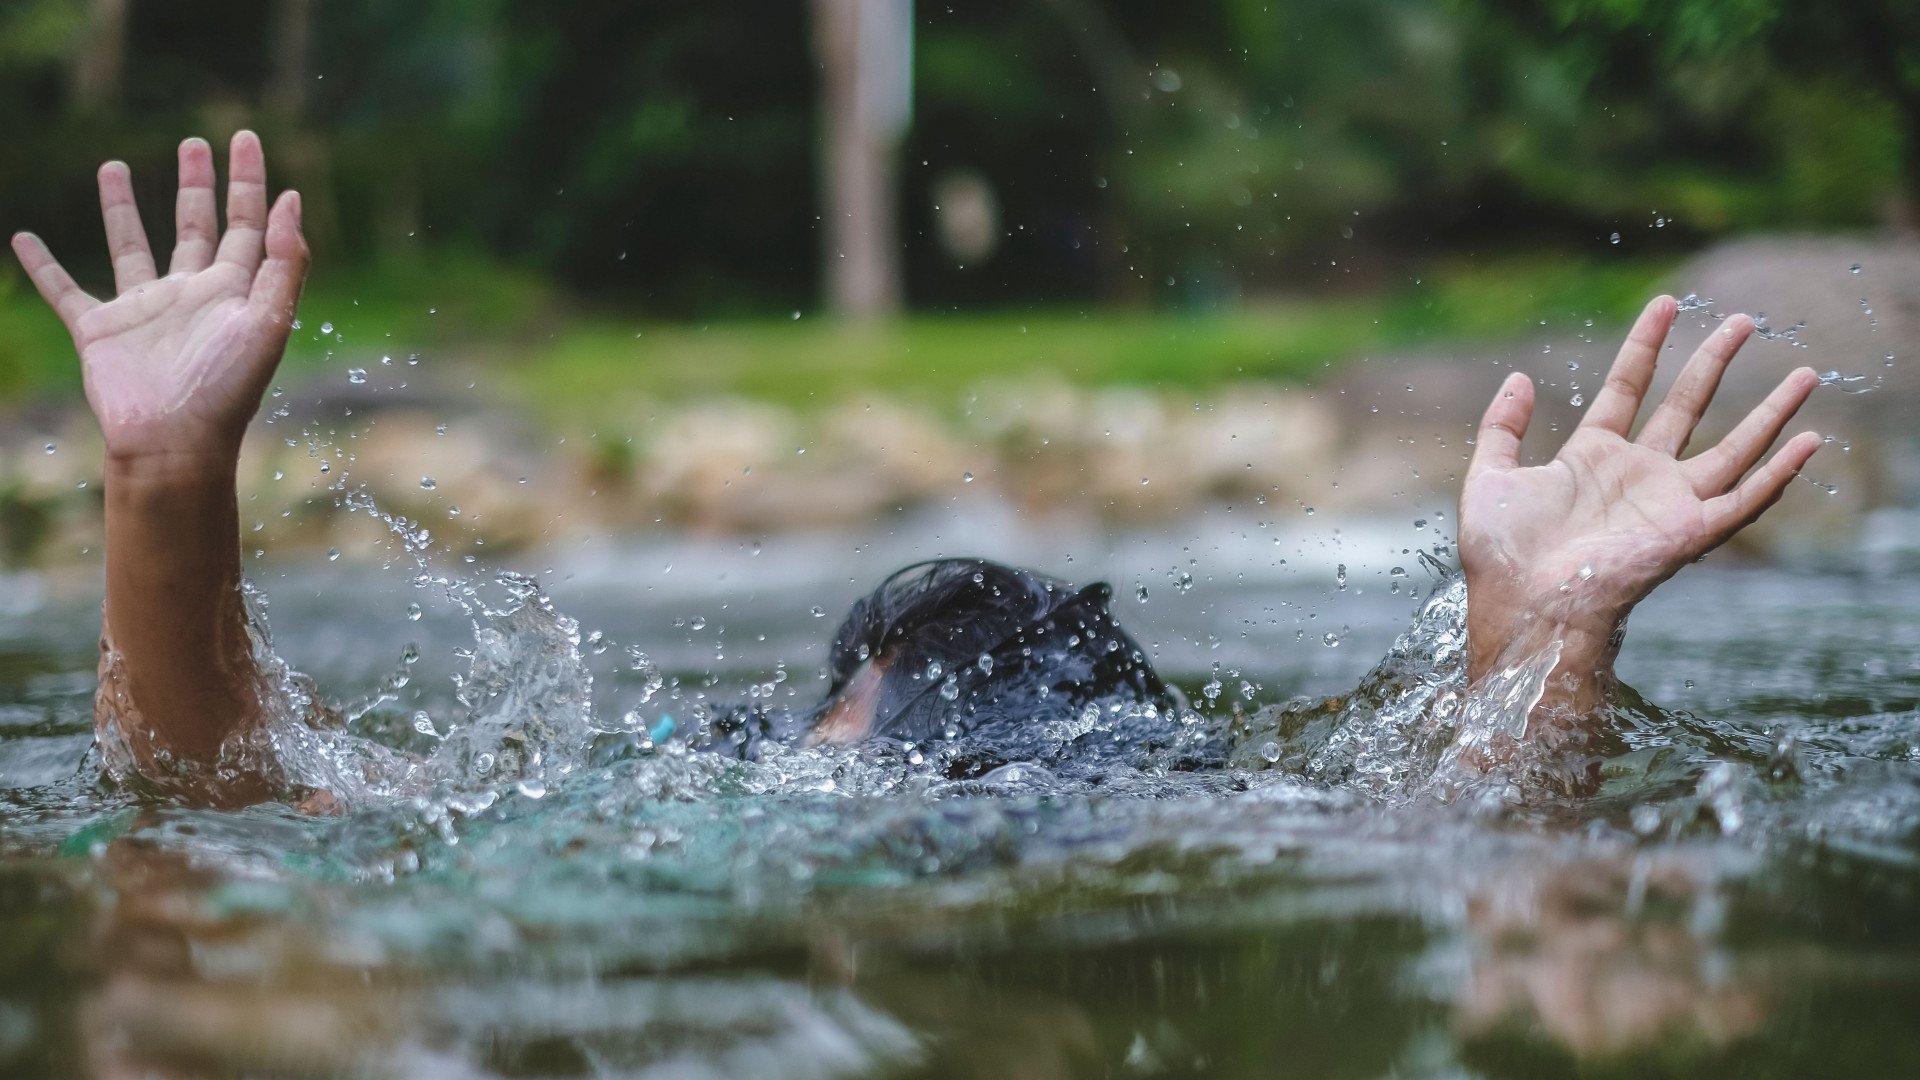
pixel 1735 894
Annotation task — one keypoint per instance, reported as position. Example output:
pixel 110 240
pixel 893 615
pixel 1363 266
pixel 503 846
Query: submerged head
pixel 958 645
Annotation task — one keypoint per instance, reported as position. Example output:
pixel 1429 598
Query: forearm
pixel 1501 636
pixel 174 611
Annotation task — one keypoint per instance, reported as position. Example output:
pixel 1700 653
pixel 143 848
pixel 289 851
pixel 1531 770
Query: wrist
pixel 1504 626
pixel 199 467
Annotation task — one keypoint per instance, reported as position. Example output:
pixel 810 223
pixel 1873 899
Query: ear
pixel 849 715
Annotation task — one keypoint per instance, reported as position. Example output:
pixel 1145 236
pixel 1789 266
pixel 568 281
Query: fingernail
pixel 293 200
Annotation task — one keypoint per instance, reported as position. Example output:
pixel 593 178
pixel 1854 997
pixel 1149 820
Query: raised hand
pixel 175 366
pixel 1566 549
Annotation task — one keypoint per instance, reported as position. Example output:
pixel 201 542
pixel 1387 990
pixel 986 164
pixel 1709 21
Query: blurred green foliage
pixel 505 160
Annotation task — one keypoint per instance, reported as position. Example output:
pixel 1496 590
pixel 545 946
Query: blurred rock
pixel 1388 434
pixel 1407 418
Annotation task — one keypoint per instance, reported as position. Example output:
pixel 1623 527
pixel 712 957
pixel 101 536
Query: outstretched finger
pixel 55 284
pixel 1619 400
pixel 246 203
pixel 195 219
pixel 1718 469
pixel 1503 426
pixel 276 289
pixel 1673 422
pixel 126 237
pixel 1737 509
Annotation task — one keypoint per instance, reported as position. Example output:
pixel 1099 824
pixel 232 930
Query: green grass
pixel 525 342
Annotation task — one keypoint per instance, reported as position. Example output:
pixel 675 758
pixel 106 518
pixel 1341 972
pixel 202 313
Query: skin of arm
pixel 1557 555
pixel 174 368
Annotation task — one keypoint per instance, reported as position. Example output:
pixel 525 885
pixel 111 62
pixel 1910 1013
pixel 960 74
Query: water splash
pixel 1414 729
pixel 1849 384
pixel 1790 334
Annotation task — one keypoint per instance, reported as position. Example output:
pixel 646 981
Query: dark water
pixel 1741 897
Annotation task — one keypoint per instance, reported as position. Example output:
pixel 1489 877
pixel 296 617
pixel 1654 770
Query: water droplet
pixel 326 328
pixel 1332 640
pixel 413 612
pixel 1614 239
pixel 1577 400
pixel 966 478
pixel 1340 577
pixel 1270 751
pixel 817 611
pixel 531 788
pixel 796 315
pixel 949 690
pixel 428 483
pixel 934 670
pixel 985 664
pixel 51 447
pixel 1854 269
pixel 356 376
pixel 333 554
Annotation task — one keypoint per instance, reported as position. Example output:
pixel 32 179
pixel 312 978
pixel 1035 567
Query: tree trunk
pixel 292 27
pixel 100 57
pixel 859 45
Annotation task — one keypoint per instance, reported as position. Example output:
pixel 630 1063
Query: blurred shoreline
pixel 1382 437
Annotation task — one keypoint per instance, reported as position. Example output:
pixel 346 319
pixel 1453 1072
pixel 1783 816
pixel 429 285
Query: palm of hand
pixel 172 359
pixel 175 365
pixel 1588 535
pixel 1607 511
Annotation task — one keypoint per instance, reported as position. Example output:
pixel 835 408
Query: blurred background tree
pixel 662 158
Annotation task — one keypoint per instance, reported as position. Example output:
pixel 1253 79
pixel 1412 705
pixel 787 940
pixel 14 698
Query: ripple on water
pixel 498 900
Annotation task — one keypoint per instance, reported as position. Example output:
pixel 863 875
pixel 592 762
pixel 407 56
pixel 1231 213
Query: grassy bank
pixel 566 359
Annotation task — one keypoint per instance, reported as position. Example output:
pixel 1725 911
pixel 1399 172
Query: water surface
pixel 1740 897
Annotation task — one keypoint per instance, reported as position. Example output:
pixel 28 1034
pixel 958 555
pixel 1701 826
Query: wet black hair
pixel 956 645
